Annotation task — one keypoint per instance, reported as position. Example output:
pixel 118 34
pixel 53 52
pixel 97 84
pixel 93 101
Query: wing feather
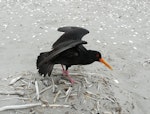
pixel 62 47
pixel 71 33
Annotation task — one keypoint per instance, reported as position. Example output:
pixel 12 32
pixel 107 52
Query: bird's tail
pixel 45 68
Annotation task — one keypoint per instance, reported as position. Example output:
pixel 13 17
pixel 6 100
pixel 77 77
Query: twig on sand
pixel 86 81
pixel 91 93
pixel 146 62
pixel 71 95
pixel 25 106
pixel 14 107
pixel 91 98
pixel 61 81
pixel 37 90
pixel 20 98
pixel 98 106
pixel 45 89
pixel 58 105
pixel 53 85
pixel 21 93
pixel 68 92
pixel 13 81
pixel 110 99
pixel 57 94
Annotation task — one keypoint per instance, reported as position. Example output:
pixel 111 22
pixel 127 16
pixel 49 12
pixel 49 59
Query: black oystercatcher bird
pixel 68 50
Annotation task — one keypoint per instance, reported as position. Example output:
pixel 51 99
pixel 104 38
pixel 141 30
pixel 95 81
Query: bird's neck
pixel 89 57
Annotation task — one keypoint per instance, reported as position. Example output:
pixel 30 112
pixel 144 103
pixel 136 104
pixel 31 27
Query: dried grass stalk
pixel 21 93
pixel 37 90
pixel 15 107
pixel 56 96
pixel 68 93
pixel 13 81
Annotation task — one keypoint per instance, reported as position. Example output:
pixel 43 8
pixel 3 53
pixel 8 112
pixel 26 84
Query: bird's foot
pixel 72 81
pixel 66 74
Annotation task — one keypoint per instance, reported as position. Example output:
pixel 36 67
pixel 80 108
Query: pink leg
pixel 66 73
pixel 62 67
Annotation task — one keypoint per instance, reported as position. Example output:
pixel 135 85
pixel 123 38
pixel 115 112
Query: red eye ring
pixel 97 55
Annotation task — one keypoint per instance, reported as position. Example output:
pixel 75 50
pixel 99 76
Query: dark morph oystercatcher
pixel 68 50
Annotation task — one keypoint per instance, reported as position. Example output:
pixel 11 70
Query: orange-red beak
pixel 105 63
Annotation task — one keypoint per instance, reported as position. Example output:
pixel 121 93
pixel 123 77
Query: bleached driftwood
pixel 53 84
pixel 68 93
pixel 13 81
pixel 14 107
pixel 20 98
pixel 25 106
pixel 57 94
pixel 45 89
pixel 21 93
pixel 58 105
pixel 37 90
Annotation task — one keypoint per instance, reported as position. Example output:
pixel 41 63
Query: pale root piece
pixel 15 107
pixel 68 93
pixel 37 90
pixel 21 93
pixel 13 81
pixel 25 106
pixel 56 96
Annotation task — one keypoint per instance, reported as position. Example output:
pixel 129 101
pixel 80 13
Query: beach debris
pixel 107 112
pixel 56 96
pixel 15 107
pixel 68 92
pixel 45 89
pixel 58 106
pixel 90 93
pixel 20 98
pixel 20 93
pixel 42 91
pixel 13 81
pixel 61 81
pixel 87 81
pixel 53 85
pixel 37 90
pixel 110 99
pixel 116 81
pixel 146 62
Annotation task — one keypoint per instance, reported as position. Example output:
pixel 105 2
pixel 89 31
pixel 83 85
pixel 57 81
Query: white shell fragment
pixel 116 81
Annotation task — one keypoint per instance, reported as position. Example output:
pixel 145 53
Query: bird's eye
pixel 97 55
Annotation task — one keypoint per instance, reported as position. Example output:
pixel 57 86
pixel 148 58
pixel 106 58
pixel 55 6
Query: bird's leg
pixel 66 73
pixel 62 67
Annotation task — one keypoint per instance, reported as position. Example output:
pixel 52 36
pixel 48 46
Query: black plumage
pixel 68 50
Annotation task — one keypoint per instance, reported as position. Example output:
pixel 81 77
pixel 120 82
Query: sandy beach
pixel 119 29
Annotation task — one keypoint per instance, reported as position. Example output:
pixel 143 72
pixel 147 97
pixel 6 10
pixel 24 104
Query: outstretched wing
pixel 70 28
pixel 59 49
pixel 71 33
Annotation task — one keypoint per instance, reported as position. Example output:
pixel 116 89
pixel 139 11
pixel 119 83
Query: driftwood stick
pixel 21 93
pixel 45 89
pixel 42 91
pixel 53 84
pixel 14 107
pixel 37 90
pixel 57 94
pixel 20 98
pixel 58 105
pixel 13 81
pixel 68 93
